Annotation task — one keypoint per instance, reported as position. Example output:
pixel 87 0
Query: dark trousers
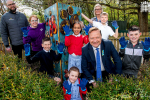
pixel 18 50
pixel 105 77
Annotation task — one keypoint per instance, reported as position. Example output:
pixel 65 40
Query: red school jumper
pixel 75 44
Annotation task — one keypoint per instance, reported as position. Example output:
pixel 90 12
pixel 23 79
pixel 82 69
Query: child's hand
pixel 67 87
pixel 67 30
pixel 123 42
pixel 146 44
pixel 60 47
pixel 87 28
pixel 27 49
pixel 114 24
pixel 25 31
pixel 82 84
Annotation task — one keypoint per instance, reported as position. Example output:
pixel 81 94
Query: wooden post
pixel 59 40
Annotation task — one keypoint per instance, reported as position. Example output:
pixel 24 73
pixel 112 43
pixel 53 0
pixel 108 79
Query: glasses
pixel 11 4
pixel 34 20
pixel 98 9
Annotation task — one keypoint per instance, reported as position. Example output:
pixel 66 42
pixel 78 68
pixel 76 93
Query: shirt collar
pixel 76 82
pixel 97 47
pixel 76 35
pixel 46 50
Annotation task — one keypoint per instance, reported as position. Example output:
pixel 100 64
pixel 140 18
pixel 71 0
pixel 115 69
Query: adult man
pixel 11 24
pixel 96 58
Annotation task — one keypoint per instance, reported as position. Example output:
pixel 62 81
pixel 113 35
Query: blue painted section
pixel 54 38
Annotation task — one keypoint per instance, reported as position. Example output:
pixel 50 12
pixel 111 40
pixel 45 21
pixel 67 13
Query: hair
pixel 77 22
pixel 104 13
pixel 46 39
pixel 74 69
pixel 32 16
pixel 9 0
pixel 93 29
pixel 133 28
pixel 97 5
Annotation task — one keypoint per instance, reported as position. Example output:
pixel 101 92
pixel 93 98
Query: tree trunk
pixel 143 21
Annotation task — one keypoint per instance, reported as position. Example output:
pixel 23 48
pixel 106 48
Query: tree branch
pixel 113 7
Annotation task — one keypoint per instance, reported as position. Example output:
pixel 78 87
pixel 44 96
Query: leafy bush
pixel 17 82
pixel 124 88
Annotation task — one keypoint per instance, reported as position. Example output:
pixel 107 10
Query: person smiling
pixel 97 12
pixel 11 23
pixel 34 34
pixel 96 58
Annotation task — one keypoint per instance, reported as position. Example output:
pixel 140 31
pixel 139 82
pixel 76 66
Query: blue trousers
pixel 74 61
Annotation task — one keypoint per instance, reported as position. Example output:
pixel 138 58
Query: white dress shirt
pixel 102 66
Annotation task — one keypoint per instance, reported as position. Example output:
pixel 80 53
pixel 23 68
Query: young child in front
pixel 75 43
pixel 132 52
pixel 74 87
pixel 46 58
pixel 105 29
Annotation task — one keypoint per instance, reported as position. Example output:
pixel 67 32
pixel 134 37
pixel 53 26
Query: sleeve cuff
pixel 146 50
pixel 91 81
pixel 83 89
pixel 68 92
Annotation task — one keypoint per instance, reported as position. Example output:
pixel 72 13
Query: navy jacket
pixel 88 63
pixel 46 60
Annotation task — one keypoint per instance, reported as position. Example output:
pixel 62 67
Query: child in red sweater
pixel 74 87
pixel 75 43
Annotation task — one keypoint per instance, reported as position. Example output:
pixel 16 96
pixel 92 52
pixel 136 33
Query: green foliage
pixel 17 82
pixel 124 88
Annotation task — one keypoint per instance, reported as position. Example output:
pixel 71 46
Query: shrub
pixel 17 82
pixel 124 88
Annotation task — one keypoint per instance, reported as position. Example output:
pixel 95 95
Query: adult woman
pixel 97 11
pixel 35 34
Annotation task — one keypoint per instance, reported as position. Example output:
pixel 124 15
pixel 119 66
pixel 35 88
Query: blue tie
pixel 98 65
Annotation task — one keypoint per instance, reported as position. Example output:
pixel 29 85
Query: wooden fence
pixel 115 41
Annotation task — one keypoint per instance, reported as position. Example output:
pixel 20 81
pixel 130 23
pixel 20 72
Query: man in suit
pixel 96 58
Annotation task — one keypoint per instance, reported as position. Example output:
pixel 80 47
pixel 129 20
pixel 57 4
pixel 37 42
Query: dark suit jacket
pixel 88 63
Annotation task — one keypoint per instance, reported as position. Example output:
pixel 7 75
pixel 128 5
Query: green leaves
pixel 122 88
pixel 17 82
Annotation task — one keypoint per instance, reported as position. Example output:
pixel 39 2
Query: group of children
pixel 74 87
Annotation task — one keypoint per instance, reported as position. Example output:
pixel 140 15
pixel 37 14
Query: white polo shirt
pixel 105 29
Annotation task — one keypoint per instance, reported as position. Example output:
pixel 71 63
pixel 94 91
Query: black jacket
pixel 46 60
pixel 132 56
pixel 11 24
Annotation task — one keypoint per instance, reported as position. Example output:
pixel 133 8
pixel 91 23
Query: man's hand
pixel 123 42
pixel 67 30
pixel 146 44
pixel 8 49
pixel 57 79
pixel 114 24
pixel 94 84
